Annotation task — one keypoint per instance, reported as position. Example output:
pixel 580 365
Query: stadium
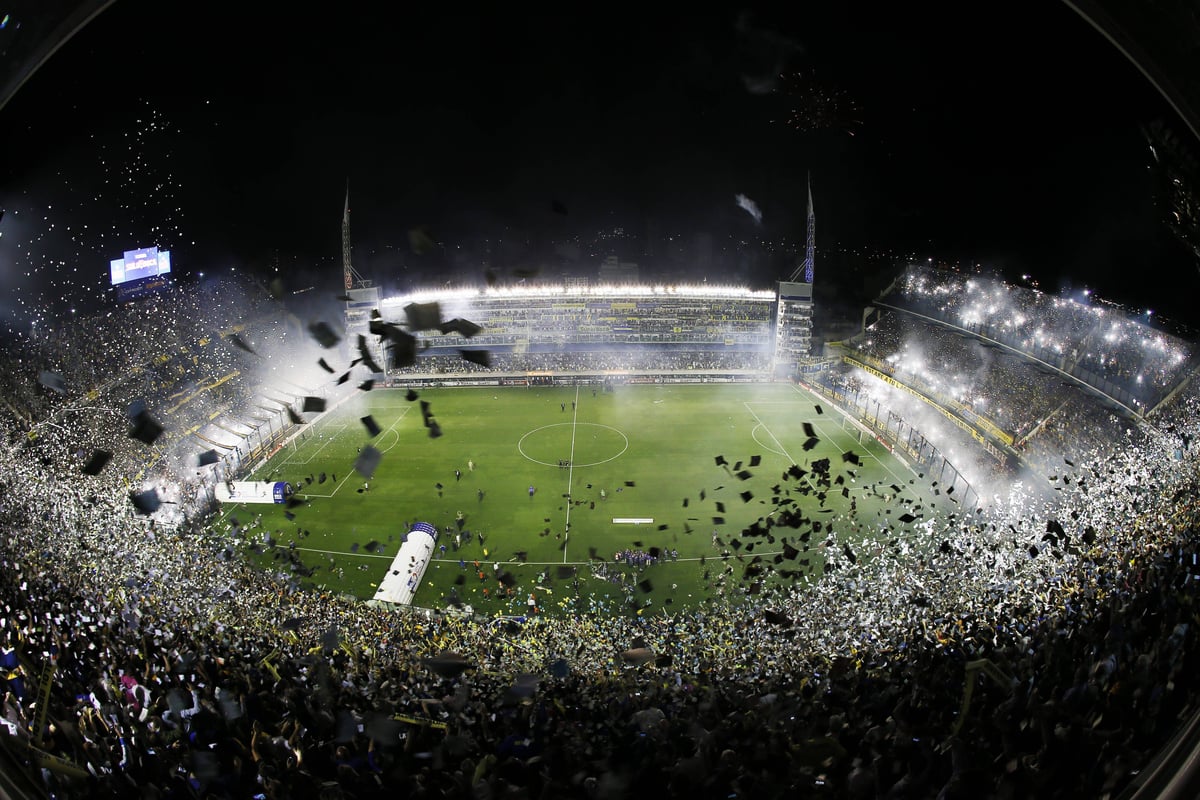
pixel 570 538
pixel 985 524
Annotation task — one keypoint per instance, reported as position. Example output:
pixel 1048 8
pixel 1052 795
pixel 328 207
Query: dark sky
pixel 1007 135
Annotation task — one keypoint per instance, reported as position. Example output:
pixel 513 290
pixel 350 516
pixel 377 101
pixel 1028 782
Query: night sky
pixel 1010 139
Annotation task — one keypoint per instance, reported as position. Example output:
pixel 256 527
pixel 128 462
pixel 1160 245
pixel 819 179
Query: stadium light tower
pixel 794 308
pixel 805 270
pixel 349 275
pixel 361 296
pixel 810 244
pixel 347 270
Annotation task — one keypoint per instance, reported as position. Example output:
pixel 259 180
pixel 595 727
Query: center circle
pixel 593 444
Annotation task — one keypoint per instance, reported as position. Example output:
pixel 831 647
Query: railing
pixel 896 433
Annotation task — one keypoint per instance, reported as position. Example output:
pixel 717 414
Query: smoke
pixel 764 54
pixel 978 468
pixel 763 84
pixel 750 207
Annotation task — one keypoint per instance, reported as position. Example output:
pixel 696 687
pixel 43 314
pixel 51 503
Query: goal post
pixel 851 429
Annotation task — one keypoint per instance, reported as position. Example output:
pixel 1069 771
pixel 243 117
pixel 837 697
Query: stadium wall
pixel 568 379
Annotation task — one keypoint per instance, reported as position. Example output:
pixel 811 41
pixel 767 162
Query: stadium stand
pixel 1125 359
pixel 602 328
pixel 145 659
pixel 994 389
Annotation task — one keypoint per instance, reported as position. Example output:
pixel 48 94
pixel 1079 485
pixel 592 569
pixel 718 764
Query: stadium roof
pixel 31 32
pixel 1160 39
pixel 674 291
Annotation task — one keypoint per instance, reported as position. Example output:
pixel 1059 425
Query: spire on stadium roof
pixel 811 240
pixel 805 269
pixel 351 277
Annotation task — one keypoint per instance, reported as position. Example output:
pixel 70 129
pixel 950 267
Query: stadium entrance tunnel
pixel 583 444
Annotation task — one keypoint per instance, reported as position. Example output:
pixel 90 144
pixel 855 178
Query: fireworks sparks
pixel 814 105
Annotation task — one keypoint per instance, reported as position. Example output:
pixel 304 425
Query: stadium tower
pixel 347 269
pixel 810 243
pixel 361 297
pixel 794 311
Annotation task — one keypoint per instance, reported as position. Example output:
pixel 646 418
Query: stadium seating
pixel 145 657
pixel 604 329
pixel 1099 344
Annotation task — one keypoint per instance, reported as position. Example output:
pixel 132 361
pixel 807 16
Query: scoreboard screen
pixel 147 262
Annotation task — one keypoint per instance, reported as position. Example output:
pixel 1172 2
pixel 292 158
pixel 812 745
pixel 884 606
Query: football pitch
pixel 553 482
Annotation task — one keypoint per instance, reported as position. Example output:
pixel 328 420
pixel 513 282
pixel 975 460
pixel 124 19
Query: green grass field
pixel 637 452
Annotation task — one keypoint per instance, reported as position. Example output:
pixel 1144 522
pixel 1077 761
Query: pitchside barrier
pixel 904 439
pixel 276 492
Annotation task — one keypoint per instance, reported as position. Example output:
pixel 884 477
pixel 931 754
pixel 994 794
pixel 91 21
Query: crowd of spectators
pixel 181 670
pixel 1097 342
pixel 1040 409
pixel 1061 436
pixel 616 319
pixel 642 559
pixel 960 371
pixel 647 359
pixel 164 331
pixel 193 354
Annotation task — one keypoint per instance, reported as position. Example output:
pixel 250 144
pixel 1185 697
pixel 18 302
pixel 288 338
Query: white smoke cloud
pixel 750 207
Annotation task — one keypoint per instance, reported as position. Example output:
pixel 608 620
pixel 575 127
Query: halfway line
pixel 570 472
